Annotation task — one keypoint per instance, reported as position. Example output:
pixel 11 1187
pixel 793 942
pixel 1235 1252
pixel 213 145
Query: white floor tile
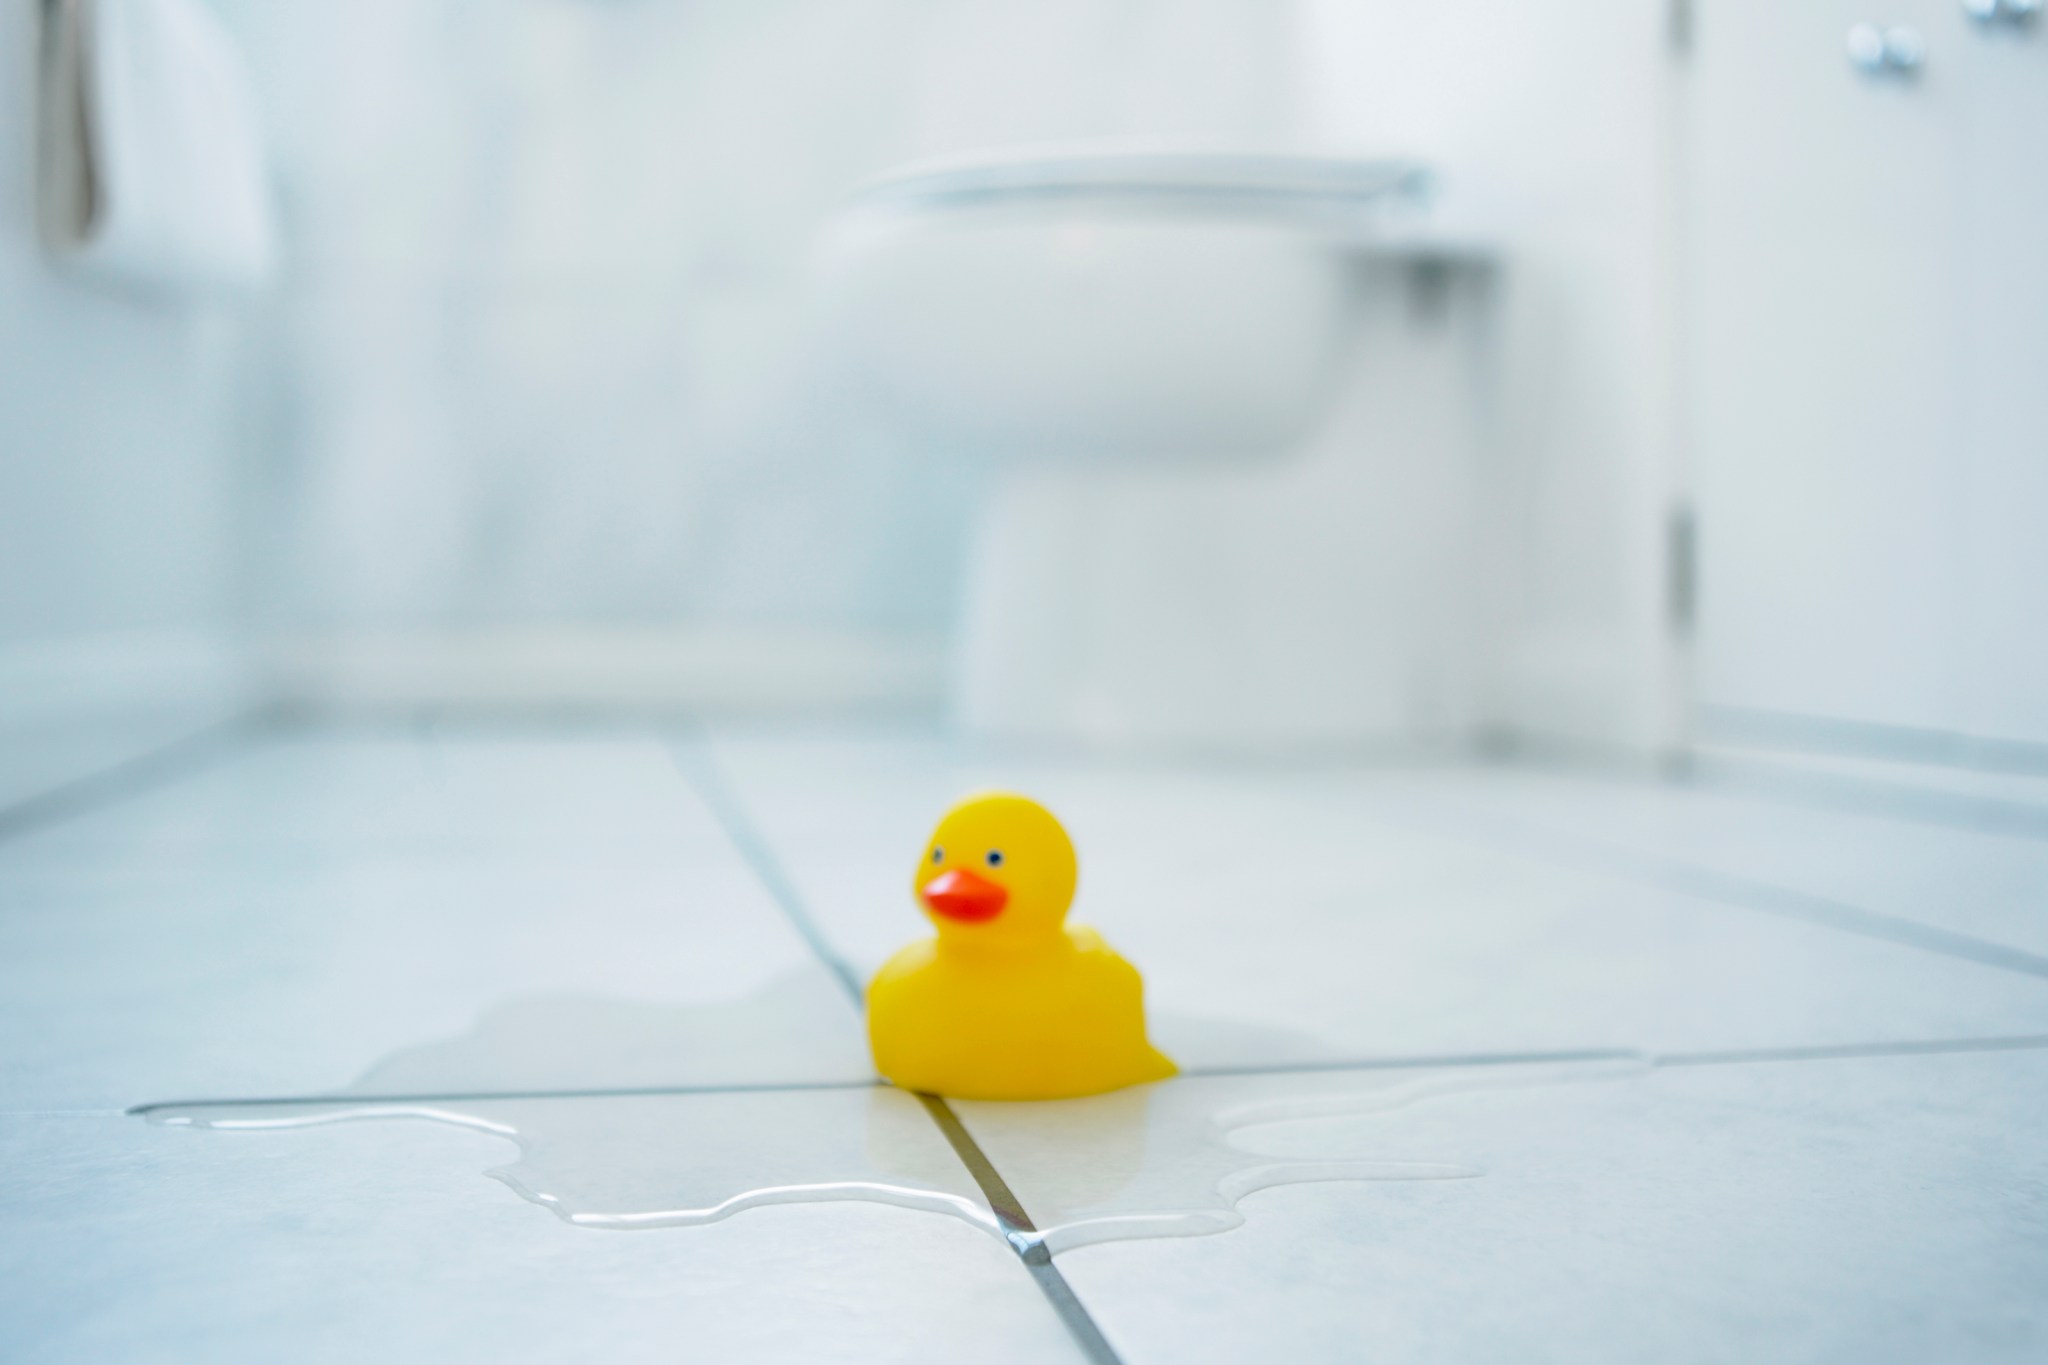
pixel 464 911
pixel 405 791
pixel 627 1162
pixel 1887 1209
pixel 374 1241
pixel 1991 885
pixel 118 988
pixel 56 752
pixel 2018 794
pixel 1314 904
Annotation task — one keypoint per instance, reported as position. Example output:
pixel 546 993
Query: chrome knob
pixel 2010 12
pixel 1904 48
pixel 1895 51
pixel 1866 48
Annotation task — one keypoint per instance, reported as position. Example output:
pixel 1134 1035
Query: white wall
pixel 542 354
pixel 1550 121
pixel 1870 329
pixel 2004 385
pixel 118 462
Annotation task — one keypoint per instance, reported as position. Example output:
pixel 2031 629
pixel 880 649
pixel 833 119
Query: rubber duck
pixel 1007 1002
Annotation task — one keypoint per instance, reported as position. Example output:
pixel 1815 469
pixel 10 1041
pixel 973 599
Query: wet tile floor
pixel 1485 1063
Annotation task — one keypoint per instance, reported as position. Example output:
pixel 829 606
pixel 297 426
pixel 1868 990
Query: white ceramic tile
pixel 289 920
pixel 1993 886
pixel 396 789
pixel 610 792
pixel 263 791
pixel 1886 1209
pixel 637 1162
pixel 381 1241
pixel 1317 904
pixel 1177 1158
pixel 1859 781
pixel 293 976
pixel 48 753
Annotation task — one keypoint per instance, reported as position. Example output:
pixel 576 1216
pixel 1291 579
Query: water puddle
pixel 655 1161
pixel 1174 1159
pixel 637 1116
pixel 796 1030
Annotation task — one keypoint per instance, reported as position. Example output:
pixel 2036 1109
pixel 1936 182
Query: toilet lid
pixel 1096 171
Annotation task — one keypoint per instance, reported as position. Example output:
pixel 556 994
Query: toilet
pixel 1234 407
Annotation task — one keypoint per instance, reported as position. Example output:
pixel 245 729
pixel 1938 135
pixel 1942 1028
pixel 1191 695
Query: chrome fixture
pixel 2009 12
pixel 1895 51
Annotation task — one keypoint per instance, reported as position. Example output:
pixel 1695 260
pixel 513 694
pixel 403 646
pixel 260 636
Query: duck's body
pixel 1066 1021
pixel 1006 1003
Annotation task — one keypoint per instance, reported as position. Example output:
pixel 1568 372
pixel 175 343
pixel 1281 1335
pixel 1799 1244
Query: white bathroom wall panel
pixel 1868 328
pixel 115 425
pixel 1547 121
pixel 545 347
pixel 2003 383
pixel 118 504
pixel 1823 284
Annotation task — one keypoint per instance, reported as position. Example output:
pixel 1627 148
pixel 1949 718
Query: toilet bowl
pixel 1231 401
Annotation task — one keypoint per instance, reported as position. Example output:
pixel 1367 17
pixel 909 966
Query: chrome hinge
pixel 1681 569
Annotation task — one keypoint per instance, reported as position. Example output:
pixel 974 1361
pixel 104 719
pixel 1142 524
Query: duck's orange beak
pixel 960 894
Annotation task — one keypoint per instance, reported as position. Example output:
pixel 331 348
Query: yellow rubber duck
pixel 1007 1003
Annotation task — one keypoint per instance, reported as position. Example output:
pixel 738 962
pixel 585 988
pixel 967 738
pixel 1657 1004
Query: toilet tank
pixel 1097 308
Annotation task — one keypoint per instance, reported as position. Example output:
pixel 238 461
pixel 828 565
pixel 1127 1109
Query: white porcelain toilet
pixel 1235 401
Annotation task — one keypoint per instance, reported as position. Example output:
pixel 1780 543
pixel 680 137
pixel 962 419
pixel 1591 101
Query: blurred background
pixel 1686 392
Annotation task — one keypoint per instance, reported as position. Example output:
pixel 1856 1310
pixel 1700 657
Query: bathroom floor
pixel 1613 1069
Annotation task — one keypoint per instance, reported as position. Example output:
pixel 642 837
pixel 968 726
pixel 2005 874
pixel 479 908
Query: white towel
pixel 152 169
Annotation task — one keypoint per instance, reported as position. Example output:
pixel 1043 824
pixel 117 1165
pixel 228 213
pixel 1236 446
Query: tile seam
pixel 1597 858
pixel 484 1096
pixel 1875 798
pixel 1414 1063
pixel 161 766
pixel 694 760
pixel 1820 1052
pixel 1933 1047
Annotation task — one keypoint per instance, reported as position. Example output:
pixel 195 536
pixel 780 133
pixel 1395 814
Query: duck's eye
pixel 995 857
pixel 938 855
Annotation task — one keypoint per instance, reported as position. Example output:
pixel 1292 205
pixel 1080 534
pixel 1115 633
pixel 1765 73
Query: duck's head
pixel 998 871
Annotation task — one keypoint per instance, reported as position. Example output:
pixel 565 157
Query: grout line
pixel 1780 777
pixel 1815 1053
pixel 1851 1051
pixel 1018 1229
pixel 694 760
pixel 1412 1063
pixel 1858 794
pixel 1067 1304
pixel 1802 735
pixel 1690 879
pixel 161 766
pixel 791 1087
pixel 1021 1233
pixel 481 1096
pixel 788 1087
pixel 1833 914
